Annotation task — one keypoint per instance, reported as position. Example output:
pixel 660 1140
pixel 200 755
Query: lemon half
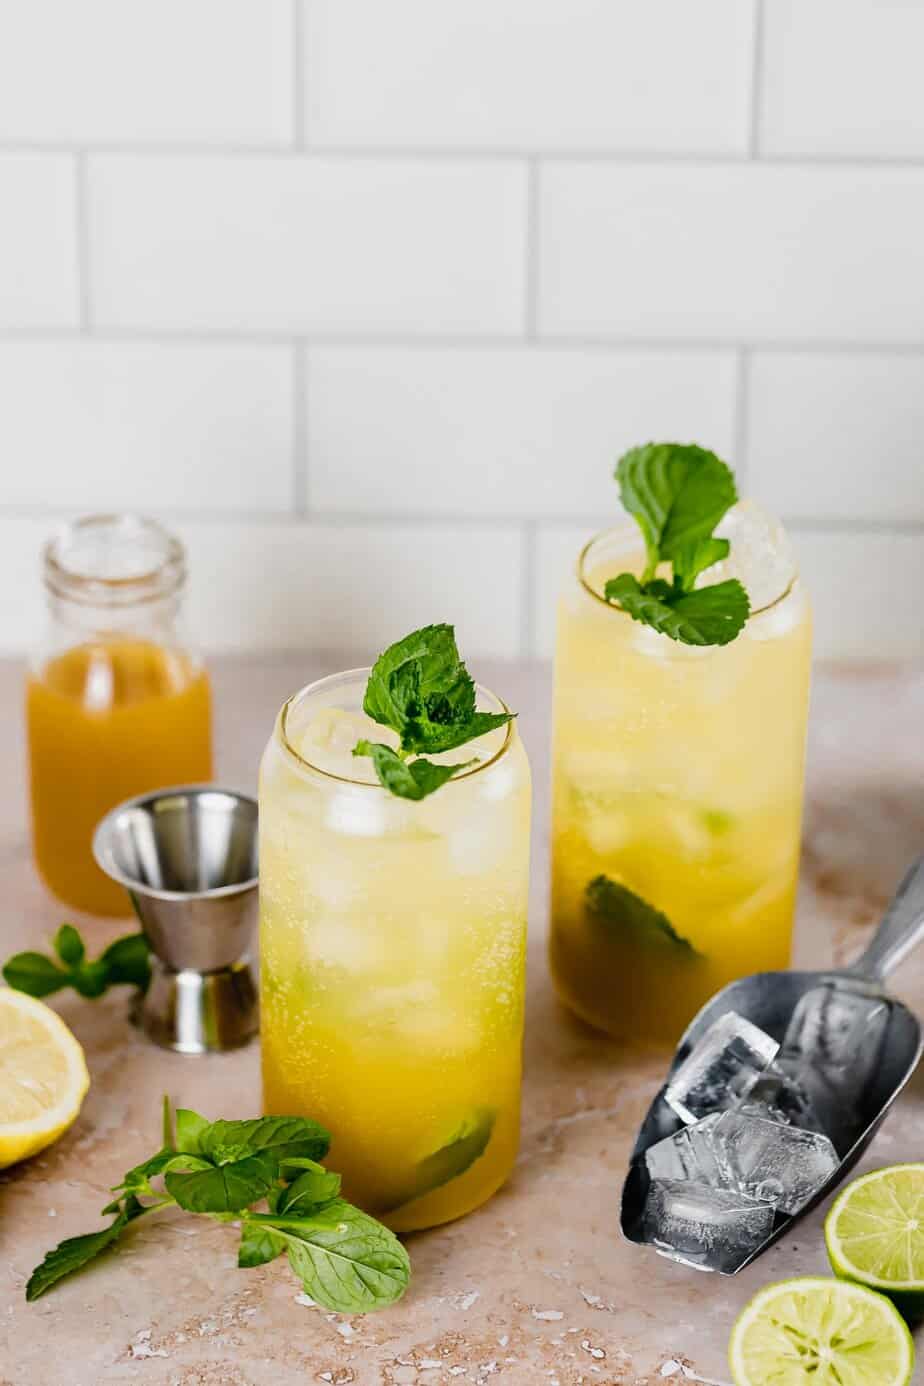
pixel 43 1076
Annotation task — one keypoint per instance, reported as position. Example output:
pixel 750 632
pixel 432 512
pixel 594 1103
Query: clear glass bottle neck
pixel 115 576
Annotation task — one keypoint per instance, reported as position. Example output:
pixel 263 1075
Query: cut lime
pixel 820 1332
pixel 875 1234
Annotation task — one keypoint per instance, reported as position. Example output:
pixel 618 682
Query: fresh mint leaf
pixel 409 779
pixel 689 562
pixel 128 962
pixel 314 1186
pixel 91 979
pixel 75 1252
pixel 421 689
pixel 124 961
pixel 615 905
pixel 69 946
pixel 466 1144
pixel 34 974
pixel 707 616
pixel 138 1180
pixel 677 493
pixel 227 1188
pixel 346 1260
pixel 259 1244
pixel 286 1137
pixel 425 661
pixel 189 1128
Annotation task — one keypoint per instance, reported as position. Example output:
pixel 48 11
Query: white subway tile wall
pixel 365 299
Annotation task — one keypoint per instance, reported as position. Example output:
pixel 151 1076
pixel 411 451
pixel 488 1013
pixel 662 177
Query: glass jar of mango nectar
pixel 116 704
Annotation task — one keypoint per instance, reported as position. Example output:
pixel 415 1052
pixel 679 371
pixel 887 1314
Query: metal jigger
pixel 188 858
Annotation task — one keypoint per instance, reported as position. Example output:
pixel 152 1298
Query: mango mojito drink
pixel 681 697
pixel 393 928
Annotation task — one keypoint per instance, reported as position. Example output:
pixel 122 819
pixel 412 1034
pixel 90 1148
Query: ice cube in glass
pixel 776 1164
pixel 715 1229
pixel 721 1069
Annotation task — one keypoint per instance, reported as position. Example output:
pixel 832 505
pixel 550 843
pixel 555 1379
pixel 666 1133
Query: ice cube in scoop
pixel 687 1154
pixel 721 1069
pixel 715 1229
pixel 838 1029
pixel 776 1164
pixel 782 1096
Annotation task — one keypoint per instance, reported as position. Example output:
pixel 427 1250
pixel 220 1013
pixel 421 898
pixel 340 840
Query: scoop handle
pixel 902 929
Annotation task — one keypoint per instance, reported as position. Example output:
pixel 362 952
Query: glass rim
pixel 160 579
pixel 628 529
pixel 316 685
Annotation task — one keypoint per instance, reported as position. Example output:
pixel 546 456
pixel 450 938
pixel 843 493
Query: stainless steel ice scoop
pixel 188 858
pixel 769 999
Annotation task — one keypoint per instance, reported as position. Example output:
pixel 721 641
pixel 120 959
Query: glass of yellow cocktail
pixel 393 930
pixel 678 763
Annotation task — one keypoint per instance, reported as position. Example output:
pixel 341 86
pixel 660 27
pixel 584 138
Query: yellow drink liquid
pixel 107 720
pixel 392 959
pixel 678 773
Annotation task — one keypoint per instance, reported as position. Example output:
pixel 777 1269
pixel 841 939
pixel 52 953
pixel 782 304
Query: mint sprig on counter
pixel 678 493
pixel 421 689
pixel 346 1260
pixel 126 962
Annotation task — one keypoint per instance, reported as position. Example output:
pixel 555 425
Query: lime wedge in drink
pixel 875 1234
pixel 820 1332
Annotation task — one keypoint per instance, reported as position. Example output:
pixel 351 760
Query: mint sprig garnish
pixel 125 962
pixel 346 1260
pixel 678 493
pixel 420 688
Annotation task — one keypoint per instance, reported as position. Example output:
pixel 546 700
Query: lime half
pixel 820 1332
pixel 875 1234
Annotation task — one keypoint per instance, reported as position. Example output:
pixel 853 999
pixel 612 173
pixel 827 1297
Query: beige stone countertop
pixel 534 1289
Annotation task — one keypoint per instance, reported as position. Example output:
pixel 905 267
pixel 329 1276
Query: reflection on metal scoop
pixel 188 858
pixel 768 1000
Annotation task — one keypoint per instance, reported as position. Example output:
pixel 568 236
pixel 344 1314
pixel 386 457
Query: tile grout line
pixel 757 83
pixel 299 131
pixel 424 341
pixel 531 275
pixel 741 463
pixel 819 524
pixel 527 646
pixel 466 154
pixel 82 218
pixel 300 390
